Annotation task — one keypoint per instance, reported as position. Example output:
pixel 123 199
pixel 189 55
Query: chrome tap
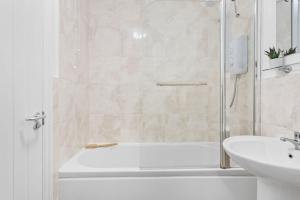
pixel 295 141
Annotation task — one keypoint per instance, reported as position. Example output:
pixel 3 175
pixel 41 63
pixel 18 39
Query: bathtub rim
pixel 154 173
pixel 73 169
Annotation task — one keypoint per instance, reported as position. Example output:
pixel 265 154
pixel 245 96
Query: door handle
pixel 36 120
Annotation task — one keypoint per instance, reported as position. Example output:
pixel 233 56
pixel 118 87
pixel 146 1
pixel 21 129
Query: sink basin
pixel 275 163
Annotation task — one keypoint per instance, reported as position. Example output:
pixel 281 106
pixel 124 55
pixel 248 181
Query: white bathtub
pixel 168 171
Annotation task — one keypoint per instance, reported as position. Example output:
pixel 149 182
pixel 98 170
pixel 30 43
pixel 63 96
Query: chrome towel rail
pixel 185 83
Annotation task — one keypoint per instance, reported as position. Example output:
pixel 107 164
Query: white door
pixel 22 90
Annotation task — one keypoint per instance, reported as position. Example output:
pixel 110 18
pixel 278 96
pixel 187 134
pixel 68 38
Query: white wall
pixel 6 103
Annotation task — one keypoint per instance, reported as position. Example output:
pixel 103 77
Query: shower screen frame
pixel 224 108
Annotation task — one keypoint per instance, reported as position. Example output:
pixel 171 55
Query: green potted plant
pixel 273 53
pixel 290 51
pixel 275 56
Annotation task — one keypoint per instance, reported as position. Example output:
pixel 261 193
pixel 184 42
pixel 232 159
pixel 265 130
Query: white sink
pixel 275 163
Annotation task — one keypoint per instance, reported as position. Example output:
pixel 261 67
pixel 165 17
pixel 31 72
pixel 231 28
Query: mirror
pixel 296 24
pixel 288 24
pixel 284 23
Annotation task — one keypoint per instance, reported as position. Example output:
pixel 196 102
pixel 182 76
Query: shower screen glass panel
pixel 240 67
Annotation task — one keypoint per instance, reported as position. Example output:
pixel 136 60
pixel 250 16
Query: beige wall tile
pixel 280 105
pixel 71 105
pixel 113 53
pixel 135 44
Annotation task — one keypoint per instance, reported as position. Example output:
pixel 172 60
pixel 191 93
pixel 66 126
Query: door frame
pixel 51 64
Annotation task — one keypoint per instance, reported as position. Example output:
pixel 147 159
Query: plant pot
pixel 277 62
pixel 292 59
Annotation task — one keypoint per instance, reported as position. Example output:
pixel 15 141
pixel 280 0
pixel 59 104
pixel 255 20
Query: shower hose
pixel 234 91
